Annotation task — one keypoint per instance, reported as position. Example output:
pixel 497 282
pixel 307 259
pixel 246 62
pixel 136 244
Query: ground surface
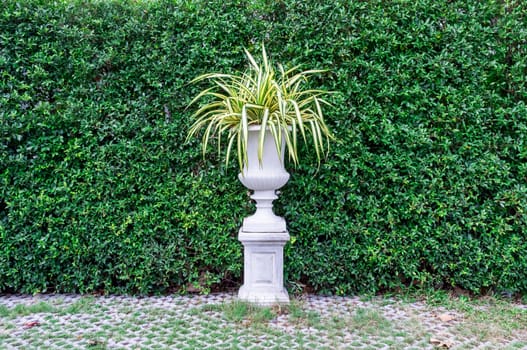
pixel 220 322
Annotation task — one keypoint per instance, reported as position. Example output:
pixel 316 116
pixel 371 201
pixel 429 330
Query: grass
pixel 24 310
pixel 492 320
pixel 80 306
pixel 369 321
pixel 490 317
pixel 396 322
pixel 240 312
pixel 497 323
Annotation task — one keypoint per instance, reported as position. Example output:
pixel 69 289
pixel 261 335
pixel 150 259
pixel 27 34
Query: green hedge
pixel 426 185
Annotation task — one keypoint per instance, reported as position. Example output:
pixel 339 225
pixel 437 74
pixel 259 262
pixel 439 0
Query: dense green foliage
pixel 427 183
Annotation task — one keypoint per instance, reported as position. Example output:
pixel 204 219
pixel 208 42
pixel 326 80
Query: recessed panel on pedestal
pixel 263 267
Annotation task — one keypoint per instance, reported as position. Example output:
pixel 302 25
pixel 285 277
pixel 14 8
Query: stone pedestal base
pixel 263 275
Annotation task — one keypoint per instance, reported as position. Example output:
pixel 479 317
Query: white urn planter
pixel 263 234
pixel 237 105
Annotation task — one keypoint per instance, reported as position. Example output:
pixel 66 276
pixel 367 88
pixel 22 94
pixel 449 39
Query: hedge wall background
pixel 427 184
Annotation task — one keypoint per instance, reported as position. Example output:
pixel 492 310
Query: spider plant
pixel 276 100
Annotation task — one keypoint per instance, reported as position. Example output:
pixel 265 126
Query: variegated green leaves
pixel 276 100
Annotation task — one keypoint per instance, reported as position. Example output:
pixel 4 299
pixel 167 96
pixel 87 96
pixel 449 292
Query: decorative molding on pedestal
pixel 263 267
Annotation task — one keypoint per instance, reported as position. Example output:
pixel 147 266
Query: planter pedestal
pixel 263 267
